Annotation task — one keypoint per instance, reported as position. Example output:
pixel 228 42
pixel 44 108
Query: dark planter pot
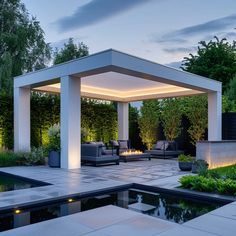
pixel 54 159
pixel 185 166
pixel 194 168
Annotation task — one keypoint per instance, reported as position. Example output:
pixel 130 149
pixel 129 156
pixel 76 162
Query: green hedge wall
pixel 100 119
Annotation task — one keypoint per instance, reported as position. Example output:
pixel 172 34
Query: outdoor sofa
pixel 95 154
pixel 165 149
pixel 120 146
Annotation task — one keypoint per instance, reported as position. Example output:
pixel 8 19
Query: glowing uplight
pixel 70 200
pixel 17 211
pixel 131 152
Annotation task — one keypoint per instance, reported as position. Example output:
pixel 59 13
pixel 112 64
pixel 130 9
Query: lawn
pixel 220 180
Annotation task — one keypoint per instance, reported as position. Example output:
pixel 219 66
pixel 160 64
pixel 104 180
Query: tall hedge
pixel 100 119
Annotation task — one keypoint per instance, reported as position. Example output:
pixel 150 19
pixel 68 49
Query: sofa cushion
pixel 114 143
pixel 123 145
pixel 165 146
pixel 91 142
pixel 159 145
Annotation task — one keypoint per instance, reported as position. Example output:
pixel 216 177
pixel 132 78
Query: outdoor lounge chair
pixel 165 149
pixel 93 153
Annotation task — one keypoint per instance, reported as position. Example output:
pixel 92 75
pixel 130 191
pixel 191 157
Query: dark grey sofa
pixel 94 154
pixel 165 149
pixel 120 146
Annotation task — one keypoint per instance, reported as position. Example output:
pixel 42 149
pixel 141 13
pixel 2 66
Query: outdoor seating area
pixel 165 149
pixel 95 154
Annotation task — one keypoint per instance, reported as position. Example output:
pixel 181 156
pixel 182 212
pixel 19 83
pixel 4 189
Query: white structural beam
pixel 70 122
pixel 112 60
pixel 214 116
pixel 123 120
pixel 21 119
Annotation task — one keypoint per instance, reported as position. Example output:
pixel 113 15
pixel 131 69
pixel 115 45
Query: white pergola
pixel 107 75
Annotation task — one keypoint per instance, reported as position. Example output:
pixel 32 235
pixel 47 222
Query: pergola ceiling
pixel 116 76
pixel 121 87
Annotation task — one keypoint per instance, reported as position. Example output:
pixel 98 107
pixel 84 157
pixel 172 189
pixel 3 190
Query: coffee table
pixel 129 157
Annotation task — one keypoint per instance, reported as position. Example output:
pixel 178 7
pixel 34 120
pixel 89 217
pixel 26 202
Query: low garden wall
pixel 217 153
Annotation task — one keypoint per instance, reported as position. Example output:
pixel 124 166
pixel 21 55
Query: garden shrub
pixel 209 184
pixel 185 158
pixel 9 158
pixel 35 157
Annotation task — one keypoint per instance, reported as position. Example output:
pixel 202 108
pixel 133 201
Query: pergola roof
pixel 117 76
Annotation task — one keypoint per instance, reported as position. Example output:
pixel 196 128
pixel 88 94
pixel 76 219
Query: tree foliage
pixel 230 92
pixel 22 44
pixel 215 59
pixel 171 117
pixel 149 121
pixel 195 108
pixel 70 51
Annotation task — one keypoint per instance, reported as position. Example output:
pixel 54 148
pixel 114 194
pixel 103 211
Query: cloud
pixel 180 50
pixel 96 11
pixel 213 26
pixel 175 64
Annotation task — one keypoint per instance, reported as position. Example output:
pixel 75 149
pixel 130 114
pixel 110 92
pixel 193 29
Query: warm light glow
pixel 115 94
pixel 17 211
pixel 70 200
pixel 131 152
pixel 223 164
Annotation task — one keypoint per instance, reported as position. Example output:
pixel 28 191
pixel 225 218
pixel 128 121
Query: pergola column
pixel 214 116
pixel 70 122
pixel 123 120
pixel 21 119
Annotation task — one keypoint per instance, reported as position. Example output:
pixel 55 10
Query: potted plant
pixel 185 162
pixel 54 146
pixel 199 166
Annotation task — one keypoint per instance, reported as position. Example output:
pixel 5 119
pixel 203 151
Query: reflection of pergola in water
pixel 108 75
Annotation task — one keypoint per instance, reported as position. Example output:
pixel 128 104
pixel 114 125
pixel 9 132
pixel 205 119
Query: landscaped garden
pixel 219 180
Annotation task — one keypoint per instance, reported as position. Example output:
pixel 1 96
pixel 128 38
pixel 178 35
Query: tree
pixel 171 117
pixel 70 51
pixel 215 59
pixel 149 121
pixel 196 112
pixel 22 43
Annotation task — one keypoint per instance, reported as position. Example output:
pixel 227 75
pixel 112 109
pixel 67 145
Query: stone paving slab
pixel 185 231
pixel 213 224
pixel 108 220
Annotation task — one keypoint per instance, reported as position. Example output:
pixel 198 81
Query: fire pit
pixel 134 155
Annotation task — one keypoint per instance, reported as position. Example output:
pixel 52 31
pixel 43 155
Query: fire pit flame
pixel 132 152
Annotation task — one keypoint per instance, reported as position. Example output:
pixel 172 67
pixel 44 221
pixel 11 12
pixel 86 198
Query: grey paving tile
pixel 110 215
pixel 184 231
pixel 139 225
pixel 228 211
pixel 213 224
pixel 59 227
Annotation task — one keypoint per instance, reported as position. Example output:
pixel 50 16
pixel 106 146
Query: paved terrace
pixel 114 220
pixel 164 173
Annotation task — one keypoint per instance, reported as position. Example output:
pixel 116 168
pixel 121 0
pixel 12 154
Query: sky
pixel 164 31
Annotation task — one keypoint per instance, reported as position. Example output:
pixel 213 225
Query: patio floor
pixel 156 172
pixel 114 220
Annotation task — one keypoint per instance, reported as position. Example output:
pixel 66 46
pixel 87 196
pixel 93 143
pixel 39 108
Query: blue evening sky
pixel 160 30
